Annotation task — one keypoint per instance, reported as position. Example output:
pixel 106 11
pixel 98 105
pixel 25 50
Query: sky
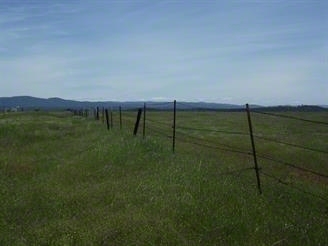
pixel 268 52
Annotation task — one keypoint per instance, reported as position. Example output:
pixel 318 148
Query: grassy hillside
pixel 68 181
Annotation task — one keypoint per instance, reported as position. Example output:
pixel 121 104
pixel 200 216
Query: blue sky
pixel 265 52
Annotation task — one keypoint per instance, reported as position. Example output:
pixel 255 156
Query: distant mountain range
pixel 33 103
pixel 29 103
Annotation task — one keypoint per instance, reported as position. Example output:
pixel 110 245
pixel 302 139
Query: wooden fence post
pixel 144 122
pixel 174 124
pixel 97 114
pixel 253 148
pixel 107 120
pixel 137 122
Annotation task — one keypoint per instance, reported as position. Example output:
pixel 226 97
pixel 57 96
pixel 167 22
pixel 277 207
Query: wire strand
pixel 158 131
pixel 291 165
pixel 160 123
pixel 290 144
pixel 213 147
pixel 209 130
pixel 290 117
pixel 292 186
pixel 216 144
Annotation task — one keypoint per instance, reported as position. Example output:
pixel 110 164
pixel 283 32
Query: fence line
pixel 212 144
pixel 157 128
pixel 215 145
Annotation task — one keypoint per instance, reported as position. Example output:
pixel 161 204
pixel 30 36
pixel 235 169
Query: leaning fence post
pixel 137 122
pixel 174 124
pixel 144 122
pixel 253 148
pixel 107 120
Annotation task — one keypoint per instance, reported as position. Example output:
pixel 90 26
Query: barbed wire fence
pixel 161 119
pixel 158 122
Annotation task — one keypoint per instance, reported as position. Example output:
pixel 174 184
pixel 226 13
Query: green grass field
pixel 66 180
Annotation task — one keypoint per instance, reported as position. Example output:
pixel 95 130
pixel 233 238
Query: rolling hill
pixel 55 103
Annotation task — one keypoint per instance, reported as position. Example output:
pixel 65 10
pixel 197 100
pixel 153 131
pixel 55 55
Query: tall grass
pixel 68 181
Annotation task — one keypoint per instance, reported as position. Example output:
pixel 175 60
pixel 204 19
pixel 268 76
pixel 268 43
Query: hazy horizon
pixel 168 101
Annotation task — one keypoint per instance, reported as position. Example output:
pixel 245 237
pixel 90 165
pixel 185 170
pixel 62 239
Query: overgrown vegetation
pixel 68 181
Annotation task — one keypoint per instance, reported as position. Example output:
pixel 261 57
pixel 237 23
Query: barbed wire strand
pixel 210 130
pixel 291 117
pixel 212 147
pixel 291 165
pixel 292 186
pixel 269 200
pixel 128 109
pixel 238 150
pixel 158 131
pixel 168 124
pixel 290 144
pixel 153 109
